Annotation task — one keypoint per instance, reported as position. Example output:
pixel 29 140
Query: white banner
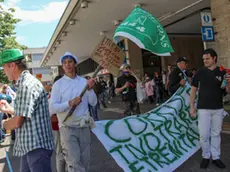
pixel 159 140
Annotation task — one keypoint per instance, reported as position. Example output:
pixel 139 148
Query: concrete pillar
pixel 135 58
pixel 127 51
pixel 163 64
pixel 221 14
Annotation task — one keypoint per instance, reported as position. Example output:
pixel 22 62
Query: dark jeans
pixel 93 112
pixel 158 94
pixel 103 95
pixel 151 99
pixel 38 160
pixel 1 132
pixel 131 108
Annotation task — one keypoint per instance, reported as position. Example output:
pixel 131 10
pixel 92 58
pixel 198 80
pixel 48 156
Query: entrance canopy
pixel 83 24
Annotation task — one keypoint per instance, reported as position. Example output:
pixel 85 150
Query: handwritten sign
pixel 108 55
pixel 160 140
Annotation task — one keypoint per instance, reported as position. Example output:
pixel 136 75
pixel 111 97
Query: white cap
pixel 68 54
pixel 123 66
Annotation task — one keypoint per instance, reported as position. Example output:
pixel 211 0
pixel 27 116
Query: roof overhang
pixel 80 29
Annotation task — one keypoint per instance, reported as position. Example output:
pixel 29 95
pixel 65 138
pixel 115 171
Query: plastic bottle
pixel 224 82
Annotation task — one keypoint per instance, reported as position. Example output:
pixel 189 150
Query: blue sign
pixel 208 33
pixel 206 18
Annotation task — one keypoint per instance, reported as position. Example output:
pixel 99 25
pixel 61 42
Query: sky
pixel 39 19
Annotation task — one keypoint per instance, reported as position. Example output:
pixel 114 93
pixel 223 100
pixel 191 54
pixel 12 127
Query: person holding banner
pixel 126 85
pixel 208 82
pixel 75 131
pixel 178 76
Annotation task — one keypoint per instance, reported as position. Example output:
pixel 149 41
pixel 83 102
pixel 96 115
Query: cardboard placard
pixel 108 55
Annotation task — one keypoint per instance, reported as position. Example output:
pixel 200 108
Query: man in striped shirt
pixel 31 119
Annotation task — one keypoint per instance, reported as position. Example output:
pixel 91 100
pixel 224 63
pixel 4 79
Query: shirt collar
pixel 21 78
pixel 76 77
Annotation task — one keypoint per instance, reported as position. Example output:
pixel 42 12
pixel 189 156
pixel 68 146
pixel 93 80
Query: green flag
pixel 146 31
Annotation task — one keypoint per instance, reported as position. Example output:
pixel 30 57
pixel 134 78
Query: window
pixel 37 57
pixel 41 71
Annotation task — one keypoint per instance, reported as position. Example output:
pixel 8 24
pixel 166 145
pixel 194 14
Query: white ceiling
pixel 100 14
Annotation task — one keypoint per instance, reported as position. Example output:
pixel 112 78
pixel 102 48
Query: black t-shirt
pixel 174 80
pixel 130 93
pixel 158 81
pixel 111 84
pixel 103 85
pixel 208 82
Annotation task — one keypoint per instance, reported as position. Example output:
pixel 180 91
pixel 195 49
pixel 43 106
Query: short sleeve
pixel 25 102
pixel 196 79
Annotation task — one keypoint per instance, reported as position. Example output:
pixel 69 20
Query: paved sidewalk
pixel 101 161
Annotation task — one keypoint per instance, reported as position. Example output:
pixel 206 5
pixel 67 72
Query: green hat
pixel 10 55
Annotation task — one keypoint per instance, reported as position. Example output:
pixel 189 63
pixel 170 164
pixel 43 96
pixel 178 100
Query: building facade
pixel 34 57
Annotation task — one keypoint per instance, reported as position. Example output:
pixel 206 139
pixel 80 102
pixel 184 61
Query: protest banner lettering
pixel 159 140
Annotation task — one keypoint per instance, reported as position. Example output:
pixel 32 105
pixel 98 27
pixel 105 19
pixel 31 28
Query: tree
pixel 7 34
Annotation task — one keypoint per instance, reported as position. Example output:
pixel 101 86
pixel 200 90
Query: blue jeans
pixel 93 112
pixel 102 96
pixel 38 160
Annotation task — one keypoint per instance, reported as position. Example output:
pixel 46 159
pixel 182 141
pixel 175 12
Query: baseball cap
pixel 10 55
pixel 180 59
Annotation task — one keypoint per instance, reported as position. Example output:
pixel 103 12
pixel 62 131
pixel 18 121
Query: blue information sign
pixel 208 33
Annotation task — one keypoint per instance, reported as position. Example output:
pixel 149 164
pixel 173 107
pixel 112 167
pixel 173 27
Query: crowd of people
pixel 7 93
pixel 39 118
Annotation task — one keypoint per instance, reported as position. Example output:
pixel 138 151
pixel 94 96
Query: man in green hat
pixel 31 119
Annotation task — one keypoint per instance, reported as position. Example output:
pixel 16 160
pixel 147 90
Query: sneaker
pixel 204 163
pixel 218 163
